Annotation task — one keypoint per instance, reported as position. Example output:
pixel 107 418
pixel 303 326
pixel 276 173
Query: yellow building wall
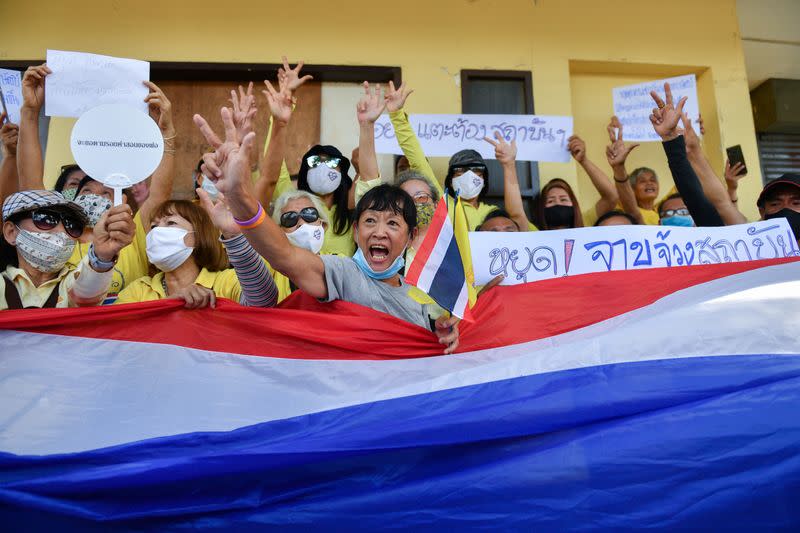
pixel 432 41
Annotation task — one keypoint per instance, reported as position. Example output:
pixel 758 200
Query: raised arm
pixel 406 138
pixel 9 182
pixel 368 109
pixel 608 194
pixel 712 185
pixel 30 163
pixel 280 106
pixel 161 182
pixel 506 155
pixel 616 154
pixel 665 118
pixel 228 168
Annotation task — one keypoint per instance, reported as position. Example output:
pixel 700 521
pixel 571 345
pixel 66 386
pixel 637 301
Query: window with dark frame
pixel 502 92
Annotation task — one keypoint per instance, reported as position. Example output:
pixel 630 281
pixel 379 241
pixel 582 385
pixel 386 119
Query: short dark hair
pixel 615 213
pixel 498 213
pixel 388 198
pixel 675 196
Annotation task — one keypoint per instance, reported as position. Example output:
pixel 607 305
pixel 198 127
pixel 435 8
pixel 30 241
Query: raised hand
pixel 689 135
pixel 577 147
pixel 290 77
pixel 244 110
pixel 396 99
pixel 33 86
pixel 160 109
pixel 219 213
pixel 229 165
pixel 113 232
pixel 617 152
pixel 666 115
pixel 371 105
pixel 280 103
pixel 9 133
pixel 504 152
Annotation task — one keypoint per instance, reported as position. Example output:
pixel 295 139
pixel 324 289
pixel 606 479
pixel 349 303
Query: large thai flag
pixel 665 398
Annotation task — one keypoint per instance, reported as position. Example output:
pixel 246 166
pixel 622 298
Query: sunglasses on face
pixel 422 198
pixel 672 212
pixel 290 218
pixel 47 219
pixel 315 161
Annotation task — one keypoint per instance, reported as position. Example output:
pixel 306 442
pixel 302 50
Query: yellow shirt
pixel 132 263
pixel 32 296
pixel 650 216
pixel 224 283
pixel 337 244
pixel 411 147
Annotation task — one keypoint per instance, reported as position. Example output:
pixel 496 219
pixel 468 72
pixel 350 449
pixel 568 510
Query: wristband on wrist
pixel 98 264
pixel 256 221
pixel 621 181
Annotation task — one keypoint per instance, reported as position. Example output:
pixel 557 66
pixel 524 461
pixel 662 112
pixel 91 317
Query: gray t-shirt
pixel 346 282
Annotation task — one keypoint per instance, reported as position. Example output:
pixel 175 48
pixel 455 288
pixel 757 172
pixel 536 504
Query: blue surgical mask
pixel 393 269
pixel 678 220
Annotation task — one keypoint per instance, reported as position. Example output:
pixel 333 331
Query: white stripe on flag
pixel 436 257
pixel 461 304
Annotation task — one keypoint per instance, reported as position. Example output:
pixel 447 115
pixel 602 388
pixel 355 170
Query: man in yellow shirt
pixel 39 233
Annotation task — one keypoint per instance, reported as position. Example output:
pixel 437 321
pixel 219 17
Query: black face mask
pixel 792 216
pixel 559 216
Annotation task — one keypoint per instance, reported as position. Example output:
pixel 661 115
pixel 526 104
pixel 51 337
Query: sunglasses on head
pixel 290 219
pixel 47 219
pixel 673 212
pixel 316 160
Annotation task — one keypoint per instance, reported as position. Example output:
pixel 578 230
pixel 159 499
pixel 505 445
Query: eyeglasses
pixel 462 170
pixel 47 219
pixel 290 219
pixel 316 160
pixel 672 212
pixel 422 198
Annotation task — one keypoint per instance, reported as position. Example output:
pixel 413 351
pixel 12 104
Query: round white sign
pixel 117 145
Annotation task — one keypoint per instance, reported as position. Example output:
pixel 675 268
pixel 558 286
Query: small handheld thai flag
pixel 442 267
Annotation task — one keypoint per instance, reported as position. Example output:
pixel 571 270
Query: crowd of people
pixel 334 236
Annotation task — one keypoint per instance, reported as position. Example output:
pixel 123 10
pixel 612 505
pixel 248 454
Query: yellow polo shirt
pixel 132 263
pixel 32 296
pixel 224 283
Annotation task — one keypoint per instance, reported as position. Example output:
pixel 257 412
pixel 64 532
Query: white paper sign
pixel 539 137
pixel 633 105
pixel 82 81
pixel 11 87
pixel 534 256
pixel 117 145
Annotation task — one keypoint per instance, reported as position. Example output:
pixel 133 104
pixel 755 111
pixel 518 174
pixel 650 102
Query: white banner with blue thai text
pixel 534 256
pixel 539 137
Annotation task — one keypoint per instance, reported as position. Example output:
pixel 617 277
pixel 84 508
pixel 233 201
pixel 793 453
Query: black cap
pixel 466 158
pixel 787 179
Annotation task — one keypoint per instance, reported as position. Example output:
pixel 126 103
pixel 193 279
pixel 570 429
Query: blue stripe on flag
pixel 449 279
pixel 695 443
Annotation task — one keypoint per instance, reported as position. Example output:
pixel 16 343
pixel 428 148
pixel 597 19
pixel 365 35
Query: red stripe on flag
pixel 424 253
pixel 308 329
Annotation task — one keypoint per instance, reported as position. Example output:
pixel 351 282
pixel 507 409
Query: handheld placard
pixel 117 145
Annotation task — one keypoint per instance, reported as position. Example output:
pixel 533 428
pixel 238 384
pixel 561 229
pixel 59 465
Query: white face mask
pixel 308 236
pixel 210 188
pixel 46 252
pixel 469 185
pixel 94 205
pixel 166 248
pixel 323 180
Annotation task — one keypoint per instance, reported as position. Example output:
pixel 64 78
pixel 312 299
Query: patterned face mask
pixel 69 194
pixel 46 252
pixel 94 205
pixel 424 214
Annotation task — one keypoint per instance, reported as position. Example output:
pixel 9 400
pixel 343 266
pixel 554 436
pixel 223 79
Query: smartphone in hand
pixel 735 155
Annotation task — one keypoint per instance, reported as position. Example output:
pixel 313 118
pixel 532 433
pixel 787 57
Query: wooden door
pixel 207 98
